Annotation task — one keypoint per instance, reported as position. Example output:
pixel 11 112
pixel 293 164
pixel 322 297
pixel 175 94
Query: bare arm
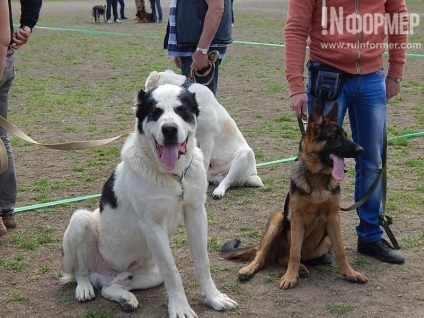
pixel 211 24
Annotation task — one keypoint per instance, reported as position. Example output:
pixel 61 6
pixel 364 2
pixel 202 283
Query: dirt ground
pixel 392 290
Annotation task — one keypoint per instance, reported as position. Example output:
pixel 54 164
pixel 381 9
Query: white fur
pixel 118 250
pixel 228 159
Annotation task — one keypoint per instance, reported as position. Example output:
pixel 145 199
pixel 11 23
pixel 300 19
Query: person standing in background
pixel 30 11
pixel 199 28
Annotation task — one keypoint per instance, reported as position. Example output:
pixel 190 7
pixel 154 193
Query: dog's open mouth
pixel 338 166
pixel 170 152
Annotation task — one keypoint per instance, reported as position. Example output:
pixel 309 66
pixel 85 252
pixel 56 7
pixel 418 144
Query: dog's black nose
pixel 358 150
pixel 170 131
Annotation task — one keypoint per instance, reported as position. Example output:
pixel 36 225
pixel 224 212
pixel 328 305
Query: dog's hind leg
pixel 266 247
pixel 79 244
pixel 241 170
pixel 118 289
pixel 254 181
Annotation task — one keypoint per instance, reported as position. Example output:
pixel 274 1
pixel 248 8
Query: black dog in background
pixel 97 12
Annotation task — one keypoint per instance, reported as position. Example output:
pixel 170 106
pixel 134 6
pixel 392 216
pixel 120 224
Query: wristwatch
pixel 203 51
pixel 397 80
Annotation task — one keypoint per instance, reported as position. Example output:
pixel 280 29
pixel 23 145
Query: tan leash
pixel 212 57
pixel 73 145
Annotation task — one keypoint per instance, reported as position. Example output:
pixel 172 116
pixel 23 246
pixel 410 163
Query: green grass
pixel 16 263
pixel 97 313
pixel 14 296
pixel 340 309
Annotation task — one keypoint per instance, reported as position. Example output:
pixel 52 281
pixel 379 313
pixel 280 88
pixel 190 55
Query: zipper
pixel 358 47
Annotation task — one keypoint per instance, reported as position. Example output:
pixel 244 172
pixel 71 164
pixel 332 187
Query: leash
pixel 303 123
pixel 212 57
pixel 383 219
pixel 73 145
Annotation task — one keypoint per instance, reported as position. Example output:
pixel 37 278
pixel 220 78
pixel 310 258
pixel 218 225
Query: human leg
pixel 108 10
pixel 122 9
pixel 115 10
pixel 8 187
pixel 368 121
pixel 159 8
pixel 153 17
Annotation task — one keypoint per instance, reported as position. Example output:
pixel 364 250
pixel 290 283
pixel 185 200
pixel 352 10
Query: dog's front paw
pixel 355 277
pixel 180 308
pixel 220 301
pixel 84 291
pixel 288 281
pixel 218 193
pixel 245 273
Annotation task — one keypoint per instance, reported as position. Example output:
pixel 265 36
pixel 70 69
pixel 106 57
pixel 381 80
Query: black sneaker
pixel 381 250
pixel 325 259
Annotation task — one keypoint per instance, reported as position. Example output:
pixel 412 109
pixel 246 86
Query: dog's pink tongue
pixel 169 156
pixel 338 167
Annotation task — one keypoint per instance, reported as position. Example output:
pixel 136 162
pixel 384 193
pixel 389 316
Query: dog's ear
pixel 140 96
pixel 332 115
pixel 317 116
pixel 152 80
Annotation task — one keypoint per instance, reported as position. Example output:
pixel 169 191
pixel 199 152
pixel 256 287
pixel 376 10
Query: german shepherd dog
pixel 310 225
pixel 97 12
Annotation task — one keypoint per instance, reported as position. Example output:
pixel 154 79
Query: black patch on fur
pixel 336 190
pixel 189 108
pixel 108 195
pixel 148 110
pixel 298 190
pixel 286 221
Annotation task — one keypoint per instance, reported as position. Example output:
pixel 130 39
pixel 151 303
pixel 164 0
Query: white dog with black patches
pixel 228 159
pixel 124 244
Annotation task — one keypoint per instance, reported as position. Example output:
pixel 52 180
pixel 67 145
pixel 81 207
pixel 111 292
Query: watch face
pixel 203 51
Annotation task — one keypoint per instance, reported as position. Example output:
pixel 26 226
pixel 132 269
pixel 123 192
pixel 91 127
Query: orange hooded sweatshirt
pixel 347 34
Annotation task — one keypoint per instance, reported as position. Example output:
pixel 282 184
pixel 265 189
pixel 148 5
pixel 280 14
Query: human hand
pixel 299 104
pixel 177 61
pixel 200 61
pixel 20 37
pixel 392 88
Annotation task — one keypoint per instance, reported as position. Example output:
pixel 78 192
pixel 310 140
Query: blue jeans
pixel 112 5
pixel 364 98
pixel 155 4
pixel 8 188
pixel 185 70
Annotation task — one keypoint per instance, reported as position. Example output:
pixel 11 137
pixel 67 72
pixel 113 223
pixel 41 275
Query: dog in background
pixel 124 244
pixel 142 15
pixel 97 12
pixel 228 159
pixel 309 226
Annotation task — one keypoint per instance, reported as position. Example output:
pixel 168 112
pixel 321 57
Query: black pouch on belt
pixel 326 81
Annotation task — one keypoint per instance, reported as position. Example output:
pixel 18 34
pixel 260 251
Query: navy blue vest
pixel 190 17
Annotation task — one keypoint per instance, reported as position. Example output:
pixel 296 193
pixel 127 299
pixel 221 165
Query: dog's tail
pixel 230 250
